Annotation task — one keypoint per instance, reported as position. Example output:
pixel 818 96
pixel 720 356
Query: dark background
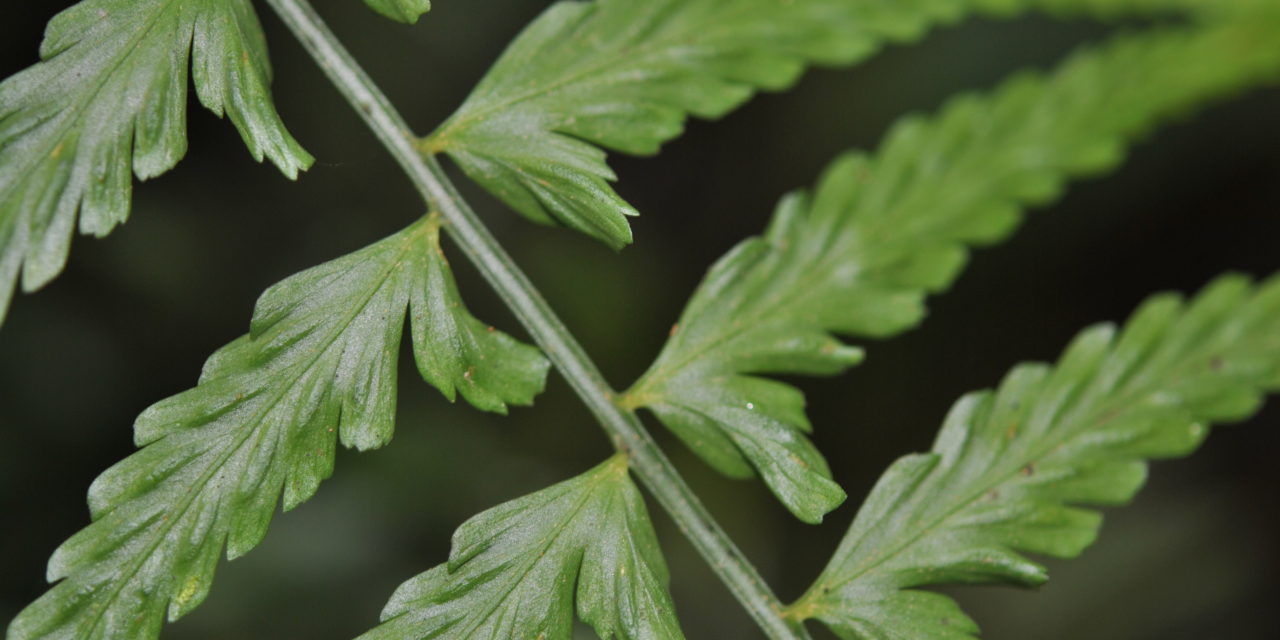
pixel 134 316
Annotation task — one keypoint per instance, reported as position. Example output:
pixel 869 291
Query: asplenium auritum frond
pixel 1012 470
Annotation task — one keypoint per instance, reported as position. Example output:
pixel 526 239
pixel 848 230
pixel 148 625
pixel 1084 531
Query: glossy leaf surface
pixel 108 101
pixel 521 569
pixel 318 367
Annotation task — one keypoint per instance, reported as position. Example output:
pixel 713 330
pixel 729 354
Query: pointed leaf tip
pixel 404 11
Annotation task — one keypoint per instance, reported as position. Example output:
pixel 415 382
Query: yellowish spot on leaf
pixel 188 591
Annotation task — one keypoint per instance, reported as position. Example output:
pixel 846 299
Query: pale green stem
pixel 624 428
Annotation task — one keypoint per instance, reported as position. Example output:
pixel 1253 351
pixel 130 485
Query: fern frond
pixel 859 256
pixel 108 101
pixel 1010 468
pixel 517 570
pixel 318 366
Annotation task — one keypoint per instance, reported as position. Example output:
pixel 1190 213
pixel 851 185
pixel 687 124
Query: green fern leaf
pixel 109 100
pixel 624 75
pixel 517 569
pixel 1010 467
pixel 406 11
pixel 880 233
pixel 318 366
